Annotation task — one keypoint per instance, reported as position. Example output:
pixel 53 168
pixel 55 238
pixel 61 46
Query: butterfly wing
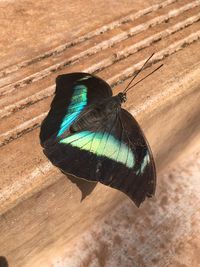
pixel 113 151
pixel 74 93
pixel 117 156
pixel 140 181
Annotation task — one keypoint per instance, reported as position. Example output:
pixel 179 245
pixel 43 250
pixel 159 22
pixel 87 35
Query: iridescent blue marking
pixel 77 104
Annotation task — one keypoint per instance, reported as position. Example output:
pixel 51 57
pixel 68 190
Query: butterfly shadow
pixel 84 186
pixel 3 262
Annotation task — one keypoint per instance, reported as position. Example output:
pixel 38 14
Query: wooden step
pixel 35 194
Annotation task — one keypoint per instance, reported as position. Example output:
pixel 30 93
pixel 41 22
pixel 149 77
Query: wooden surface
pixel 41 209
pixel 53 228
pixel 164 232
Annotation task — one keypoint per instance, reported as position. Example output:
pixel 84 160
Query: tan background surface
pixel 43 222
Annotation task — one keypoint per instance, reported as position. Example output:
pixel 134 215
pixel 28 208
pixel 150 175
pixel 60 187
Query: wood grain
pixel 41 212
pixel 164 232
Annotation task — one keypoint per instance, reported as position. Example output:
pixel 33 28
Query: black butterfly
pixel 89 135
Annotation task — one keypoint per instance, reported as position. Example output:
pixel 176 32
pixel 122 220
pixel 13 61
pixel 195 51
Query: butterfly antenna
pixel 136 74
pixel 144 77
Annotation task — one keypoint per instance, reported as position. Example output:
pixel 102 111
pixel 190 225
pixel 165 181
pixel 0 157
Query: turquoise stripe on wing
pixel 77 104
pixel 102 144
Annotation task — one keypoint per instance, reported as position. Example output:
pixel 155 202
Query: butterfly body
pixel 98 115
pixel 88 134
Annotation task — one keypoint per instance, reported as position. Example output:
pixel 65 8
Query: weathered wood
pixel 162 233
pixel 41 209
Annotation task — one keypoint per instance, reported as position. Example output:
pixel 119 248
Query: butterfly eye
pixel 124 98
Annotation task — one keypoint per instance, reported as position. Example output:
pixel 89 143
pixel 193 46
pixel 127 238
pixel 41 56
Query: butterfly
pixel 89 135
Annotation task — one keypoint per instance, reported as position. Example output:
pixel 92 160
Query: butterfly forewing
pixel 74 92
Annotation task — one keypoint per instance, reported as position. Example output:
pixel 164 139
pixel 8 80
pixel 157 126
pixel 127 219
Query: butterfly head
pixel 122 97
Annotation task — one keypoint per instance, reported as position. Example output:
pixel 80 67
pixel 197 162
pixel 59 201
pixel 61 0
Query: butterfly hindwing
pixel 141 180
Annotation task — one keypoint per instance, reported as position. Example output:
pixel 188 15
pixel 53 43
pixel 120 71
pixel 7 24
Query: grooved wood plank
pixel 144 99
pixel 33 36
pixel 26 114
pixel 40 208
pixel 102 42
pixel 181 29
